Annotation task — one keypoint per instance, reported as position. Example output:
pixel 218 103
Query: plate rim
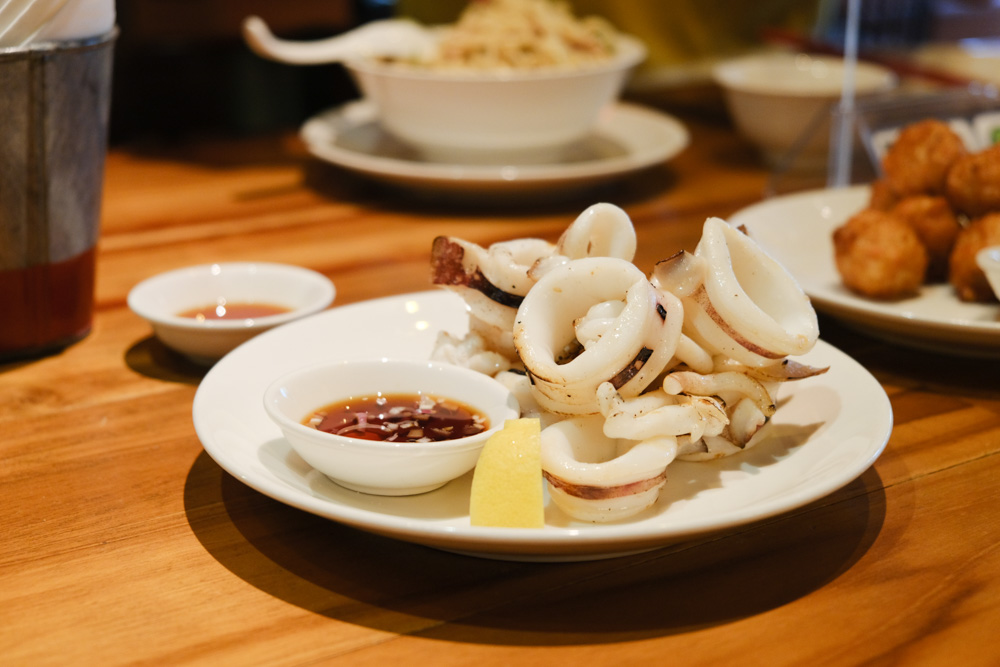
pixel 556 543
pixel 319 131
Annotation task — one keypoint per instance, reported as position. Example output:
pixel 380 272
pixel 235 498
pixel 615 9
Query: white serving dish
pixel 783 101
pixel 828 430
pixel 797 230
pixel 161 298
pixel 526 115
pixel 380 467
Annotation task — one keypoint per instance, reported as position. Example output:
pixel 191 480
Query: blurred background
pixel 182 68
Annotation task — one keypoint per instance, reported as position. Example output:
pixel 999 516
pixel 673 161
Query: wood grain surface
pixel 123 542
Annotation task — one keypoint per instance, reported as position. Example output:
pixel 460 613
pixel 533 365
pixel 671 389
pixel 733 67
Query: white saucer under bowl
pixel 628 138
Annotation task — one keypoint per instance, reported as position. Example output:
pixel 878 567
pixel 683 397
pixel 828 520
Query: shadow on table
pixel 153 359
pixel 355 577
pixel 339 184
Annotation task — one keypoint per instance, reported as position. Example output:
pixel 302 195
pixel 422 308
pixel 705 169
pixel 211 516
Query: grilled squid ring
pixel 738 301
pixel 492 282
pixel 499 272
pixel 657 413
pixel 592 477
pixel 750 404
pixel 602 230
pixel 520 386
pixel 748 393
pixel 692 355
pixel 627 330
pixel 469 352
pixel 708 448
pixel 730 386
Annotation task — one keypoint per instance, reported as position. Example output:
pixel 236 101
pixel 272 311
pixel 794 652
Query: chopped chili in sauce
pixel 399 418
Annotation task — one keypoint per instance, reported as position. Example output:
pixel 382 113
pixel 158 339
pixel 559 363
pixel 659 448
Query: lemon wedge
pixel 507 481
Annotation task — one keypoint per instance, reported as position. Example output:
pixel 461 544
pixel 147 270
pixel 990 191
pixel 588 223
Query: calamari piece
pixel 657 413
pixel 595 478
pixel 469 352
pixel 747 391
pixel 747 306
pixel 708 448
pixel 602 230
pixel 630 333
pixel 520 386
pixel 745 421
pixel 499 272
pixel 492 282
pixel 692 355
pixel 750 404
pixel 782 371
pixel 681 274
pixel 741 433
pixel 730 386
pixel 546 264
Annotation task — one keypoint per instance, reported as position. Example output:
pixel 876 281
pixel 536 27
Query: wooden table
pixel 124 542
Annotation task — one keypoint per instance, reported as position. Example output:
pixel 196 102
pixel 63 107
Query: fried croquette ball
pixel 879 256
pixel 965 275
pixel 882 197
pixel 937 227
pixel 919 159
pixel 973 185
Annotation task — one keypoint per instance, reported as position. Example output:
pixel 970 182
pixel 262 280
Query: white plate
pixel 827 431
pixel 797 230
pixel 628 138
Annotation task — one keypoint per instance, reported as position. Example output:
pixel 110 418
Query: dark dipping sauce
pixel 399 418
pixel 234 311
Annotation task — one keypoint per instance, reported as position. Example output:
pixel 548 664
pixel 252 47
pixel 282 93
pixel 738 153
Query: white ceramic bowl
pixel 377 467
pixel 775 99
pixel 988 260
pixel 162 298
pixel 463 117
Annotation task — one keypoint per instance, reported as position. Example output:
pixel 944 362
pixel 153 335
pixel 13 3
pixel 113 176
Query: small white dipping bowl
pixel 774 98
pixel 377 467
pixel 515 115
pixel 162 298
pixel 988 260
